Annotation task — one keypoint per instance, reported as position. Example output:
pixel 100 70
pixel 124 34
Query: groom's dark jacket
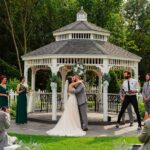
pixel 80 93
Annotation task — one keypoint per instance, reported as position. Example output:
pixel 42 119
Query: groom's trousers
pixel 83 115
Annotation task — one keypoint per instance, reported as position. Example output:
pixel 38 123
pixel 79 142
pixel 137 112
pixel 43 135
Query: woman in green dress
pixel 3 92
pixel 21 109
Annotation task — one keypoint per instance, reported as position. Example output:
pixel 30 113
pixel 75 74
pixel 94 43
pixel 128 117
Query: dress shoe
pixel 117 125
pixel 131 124
pixel 86 129
pixel 139 128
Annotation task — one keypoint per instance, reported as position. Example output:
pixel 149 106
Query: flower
pixel 79 69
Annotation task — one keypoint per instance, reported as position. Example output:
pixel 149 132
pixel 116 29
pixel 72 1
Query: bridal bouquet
pixel 79 69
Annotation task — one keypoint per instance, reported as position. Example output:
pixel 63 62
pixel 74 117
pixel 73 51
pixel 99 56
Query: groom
pixel 79 91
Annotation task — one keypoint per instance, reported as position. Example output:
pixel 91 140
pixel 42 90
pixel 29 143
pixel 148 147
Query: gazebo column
pixel 32 93
pixel 105 91
pixel 33 69
pixel 26 67
pixel 54 70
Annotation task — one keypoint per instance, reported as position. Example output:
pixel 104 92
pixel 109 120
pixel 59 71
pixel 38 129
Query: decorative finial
pixel 82 15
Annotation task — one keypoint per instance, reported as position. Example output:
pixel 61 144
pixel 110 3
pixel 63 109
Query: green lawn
pixel 74 143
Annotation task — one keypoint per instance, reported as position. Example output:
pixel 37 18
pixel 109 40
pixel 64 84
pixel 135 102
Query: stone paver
pixel 36 128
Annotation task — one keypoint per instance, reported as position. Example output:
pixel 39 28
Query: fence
pixel 42 101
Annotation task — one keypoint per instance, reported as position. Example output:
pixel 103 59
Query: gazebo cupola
pixel 81 29
pixel 82 15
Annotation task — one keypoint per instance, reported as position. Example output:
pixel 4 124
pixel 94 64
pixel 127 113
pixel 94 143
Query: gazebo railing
pixel 43 102
pixel 113 103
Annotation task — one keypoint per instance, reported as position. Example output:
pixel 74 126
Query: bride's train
pixel 69 124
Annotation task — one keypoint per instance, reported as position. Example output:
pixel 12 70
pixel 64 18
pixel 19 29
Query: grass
pixel 77 143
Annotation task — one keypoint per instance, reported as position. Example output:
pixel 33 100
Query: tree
pixel 13 35
pixel 137 13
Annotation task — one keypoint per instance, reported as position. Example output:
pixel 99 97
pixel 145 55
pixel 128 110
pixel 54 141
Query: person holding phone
pixel 5 139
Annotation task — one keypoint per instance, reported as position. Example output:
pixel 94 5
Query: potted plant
pixel 54 79
pixel 106 78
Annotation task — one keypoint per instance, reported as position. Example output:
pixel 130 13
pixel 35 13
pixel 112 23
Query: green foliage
pixel 91 78
pixel 54 78
pixel 113 84
pixel 8 70
pixel 77 143
pixel 106 77
pixel 141 108
pixel 12 84
pixel 13 110
pixel 35 20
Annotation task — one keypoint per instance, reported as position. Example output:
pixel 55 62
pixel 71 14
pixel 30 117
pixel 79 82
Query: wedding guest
pixel 131 88
pixel 5 139
pixel 146 94
pixel 129 108
pixel 21 110
pixel 144 136
pixel 3 92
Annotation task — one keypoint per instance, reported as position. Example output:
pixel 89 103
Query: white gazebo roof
pixel 82 47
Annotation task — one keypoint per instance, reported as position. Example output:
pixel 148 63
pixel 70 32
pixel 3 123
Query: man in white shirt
pixel 131 88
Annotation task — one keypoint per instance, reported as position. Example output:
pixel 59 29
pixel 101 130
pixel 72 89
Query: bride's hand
pixel 80 81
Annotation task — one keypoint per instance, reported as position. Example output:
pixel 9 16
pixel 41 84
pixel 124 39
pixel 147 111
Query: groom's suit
pixel 80 93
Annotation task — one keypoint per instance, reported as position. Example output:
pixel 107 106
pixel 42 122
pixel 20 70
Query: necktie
pixel 128 85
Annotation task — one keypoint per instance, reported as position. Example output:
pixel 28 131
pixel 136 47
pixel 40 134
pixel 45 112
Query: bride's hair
pixel 69 79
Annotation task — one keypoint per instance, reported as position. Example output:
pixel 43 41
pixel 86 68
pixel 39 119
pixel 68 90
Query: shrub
pixel 113 84
pixel 141 108
pixel 12 84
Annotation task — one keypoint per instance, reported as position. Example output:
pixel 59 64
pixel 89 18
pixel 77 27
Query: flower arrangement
pixel 79 69
pixel 106 77
pixel 54 78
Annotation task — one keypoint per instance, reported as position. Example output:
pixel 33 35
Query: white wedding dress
pixel 69 123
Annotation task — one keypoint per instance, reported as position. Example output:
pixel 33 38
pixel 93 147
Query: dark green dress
pixel 3 99
pixel 21 109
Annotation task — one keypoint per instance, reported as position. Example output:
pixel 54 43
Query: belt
pixel 131 94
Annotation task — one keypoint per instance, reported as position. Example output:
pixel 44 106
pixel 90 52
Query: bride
pixel 69 123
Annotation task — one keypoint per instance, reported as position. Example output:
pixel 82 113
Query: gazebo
pixel 84 42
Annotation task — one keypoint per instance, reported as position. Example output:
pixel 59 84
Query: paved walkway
pixel 37 128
